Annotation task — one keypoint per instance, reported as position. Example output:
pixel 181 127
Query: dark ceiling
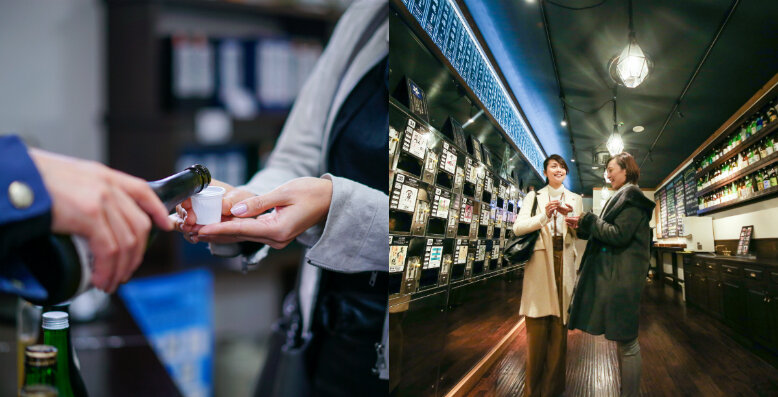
pixel 675 34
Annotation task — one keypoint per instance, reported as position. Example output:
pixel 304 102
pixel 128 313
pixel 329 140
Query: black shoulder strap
pixel 534 205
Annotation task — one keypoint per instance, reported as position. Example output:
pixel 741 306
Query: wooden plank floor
pixel 685 353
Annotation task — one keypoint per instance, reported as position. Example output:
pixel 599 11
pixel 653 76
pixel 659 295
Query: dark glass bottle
pixel 771 116
pixel 40 365
pixel 56 332
pixel 62 264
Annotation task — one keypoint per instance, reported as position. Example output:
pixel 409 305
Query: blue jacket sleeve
pixel 19 225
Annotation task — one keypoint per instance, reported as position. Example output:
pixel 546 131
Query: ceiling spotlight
pixel 594 167
pixel 564 123
pixel 573 160
pixel 638 128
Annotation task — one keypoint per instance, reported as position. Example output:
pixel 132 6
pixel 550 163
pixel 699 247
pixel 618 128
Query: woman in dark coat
pixel 613 269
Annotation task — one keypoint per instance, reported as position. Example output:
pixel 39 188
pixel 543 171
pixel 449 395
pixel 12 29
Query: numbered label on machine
pixel 416 139
pixel 441 203
pixel 460 254
pixel 398 251
pixel 466 211
pixel 433 255
pixel 448 159
pixel 405 193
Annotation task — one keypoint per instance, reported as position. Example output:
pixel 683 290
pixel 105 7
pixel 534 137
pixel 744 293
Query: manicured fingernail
pixel 239 209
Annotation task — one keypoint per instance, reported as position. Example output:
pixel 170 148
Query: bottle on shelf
pixel 771 115
pixel 775 105
pixel 774 139
pixel 762 149
pixel 759 181
pixel 40 365
pixel 741 188
pixel 752 125
pixel 757 155
pixel 773 177
pixel 56 332
pixel 64 266
pixel 745 129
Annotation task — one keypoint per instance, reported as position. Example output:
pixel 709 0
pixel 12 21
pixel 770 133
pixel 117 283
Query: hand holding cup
pixel 565 209
pixel 552 206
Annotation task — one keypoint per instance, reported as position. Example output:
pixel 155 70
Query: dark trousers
pixel 547 344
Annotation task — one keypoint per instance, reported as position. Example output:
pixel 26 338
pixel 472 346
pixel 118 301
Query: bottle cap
pixel 55 320
pixel 40 355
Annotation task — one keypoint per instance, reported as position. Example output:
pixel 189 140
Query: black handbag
pixel 520 248
pixel 287 367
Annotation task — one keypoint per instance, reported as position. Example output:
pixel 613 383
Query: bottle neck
pixel 174 189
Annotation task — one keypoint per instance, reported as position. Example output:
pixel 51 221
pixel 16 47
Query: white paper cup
pixel 207 205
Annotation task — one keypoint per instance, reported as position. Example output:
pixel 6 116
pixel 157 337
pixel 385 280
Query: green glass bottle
pixel 56 332
pixel 773 178
pixel 40 365
pixel 775 142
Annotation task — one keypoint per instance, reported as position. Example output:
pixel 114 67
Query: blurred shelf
pixel 273 9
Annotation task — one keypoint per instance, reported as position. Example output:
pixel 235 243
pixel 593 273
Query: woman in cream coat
pixel 549 278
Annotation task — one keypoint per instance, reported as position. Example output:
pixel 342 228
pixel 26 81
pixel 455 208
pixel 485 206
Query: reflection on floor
pixel 685 353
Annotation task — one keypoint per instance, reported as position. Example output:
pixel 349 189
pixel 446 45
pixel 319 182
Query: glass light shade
pixel 615 145
pixel 632 65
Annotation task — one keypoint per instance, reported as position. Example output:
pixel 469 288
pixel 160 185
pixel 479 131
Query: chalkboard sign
pixel 680 204
pixel 690 191
pixel 663 212
pixel 672 229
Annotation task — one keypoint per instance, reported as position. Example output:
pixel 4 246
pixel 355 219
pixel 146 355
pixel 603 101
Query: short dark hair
pixel 627 162
pixel 559 160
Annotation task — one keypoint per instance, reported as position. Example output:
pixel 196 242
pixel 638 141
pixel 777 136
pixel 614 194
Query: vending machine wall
pixel 456 181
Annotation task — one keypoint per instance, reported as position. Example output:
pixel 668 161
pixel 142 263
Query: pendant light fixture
pixel 615 144
pixel 630 68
